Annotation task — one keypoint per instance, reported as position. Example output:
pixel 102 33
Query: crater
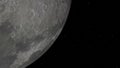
pixel 2 8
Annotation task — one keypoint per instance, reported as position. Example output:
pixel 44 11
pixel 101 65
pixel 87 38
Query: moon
pixel 28 28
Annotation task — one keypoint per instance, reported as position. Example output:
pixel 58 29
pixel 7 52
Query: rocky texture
pixel 28 26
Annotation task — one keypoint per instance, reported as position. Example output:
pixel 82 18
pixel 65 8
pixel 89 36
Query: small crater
pixel 2 8
pixel 6 28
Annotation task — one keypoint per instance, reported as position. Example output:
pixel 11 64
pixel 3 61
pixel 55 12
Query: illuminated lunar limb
pixel 36 24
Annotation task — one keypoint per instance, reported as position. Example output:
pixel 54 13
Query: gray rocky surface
pixel 28 26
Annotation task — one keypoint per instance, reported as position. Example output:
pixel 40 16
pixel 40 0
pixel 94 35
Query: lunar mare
pixel 35 24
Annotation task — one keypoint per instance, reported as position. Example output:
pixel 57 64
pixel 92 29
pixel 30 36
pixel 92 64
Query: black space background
pixel 90 38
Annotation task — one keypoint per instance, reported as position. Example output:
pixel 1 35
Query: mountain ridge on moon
pixel 34 25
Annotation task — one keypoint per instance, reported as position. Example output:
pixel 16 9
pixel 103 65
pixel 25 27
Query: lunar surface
pixel 28 28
